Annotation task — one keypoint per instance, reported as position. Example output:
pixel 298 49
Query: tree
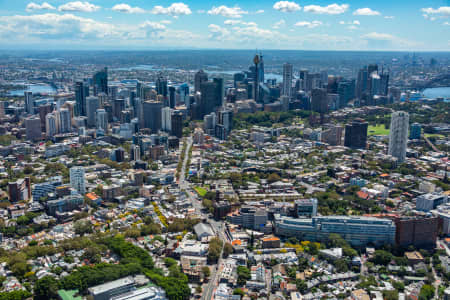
pixel 243 275
pixel 239 292
pixel 274 177
pixel 206 271
pixel 382 257
pixel 46 288
pixel 301 286
pixel 215 247
pixel 82 227
pixel 426 292
pixel 227 250
pixel 390 295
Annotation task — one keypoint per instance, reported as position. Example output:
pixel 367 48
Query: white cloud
pixel 55 26
pixel 446 23
pixel 443 10
pixel 239 22
pixel 286 6
pixel 176 9
pixel 308 24
pixel 34 6
pixel 217 32
pixel 79 6
pixel 332 9
pixel 228 12
pixel 366 12
pixel 231 22
pixel 125 8
pixel 279 24
pixel 259 11
pixel 356 22
pixel 389 17
pixel 379 36
pixel 166 22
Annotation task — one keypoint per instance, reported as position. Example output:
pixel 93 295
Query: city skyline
pixel 302 25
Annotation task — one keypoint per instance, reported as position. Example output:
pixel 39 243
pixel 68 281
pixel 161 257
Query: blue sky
pixel 416 25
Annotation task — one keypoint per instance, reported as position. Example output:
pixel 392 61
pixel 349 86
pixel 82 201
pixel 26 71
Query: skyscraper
pixel 161 85
pixel 211 96
pixel 33 128
pixel 77 180
pixel 135 152
pixel 199 78
pixel 415 131
pixel 172 97
pixel 100 81
pixel 101 120
pixel 65 124
pixel 226 119
pixel 80 99
pixel 152 115
pixel 356 134
pixel 29 102
pixel 177 124
pixel 398 136
pixel 166 119
pixel 51 126
pixel 92 104
pixel 287 80
pixel 319 101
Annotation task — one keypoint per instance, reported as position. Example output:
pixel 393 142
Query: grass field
pixel 201 191
pixel 439 136
pixel 377 130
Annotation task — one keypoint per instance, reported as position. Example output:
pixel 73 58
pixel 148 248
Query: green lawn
pixel 436 135
pixel 377 130
pixel 201 191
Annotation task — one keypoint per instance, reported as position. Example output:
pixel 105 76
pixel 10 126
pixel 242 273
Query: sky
pixel 412 25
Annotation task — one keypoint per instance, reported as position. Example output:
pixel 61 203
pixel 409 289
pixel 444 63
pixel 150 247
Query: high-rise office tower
pixel 51 125
pixel 80 99
pixel 177 124
pixel 113 92
pixel 226 119
pixel 77 180
pixel 92 104
pixel 256 61
pixel 212 93
pixel 166 119
pixel 33 128
pixel 161 85
pixel 172 97
pixel 384 83
pixel 346 92
pixel 261 69
pixel 319 101
pixel 415 131
pixel 398 135
pixel 43 110
pixel 356 134
pixel 139 89
pixel 101 120
pixel 135 152
pixel 361 83
pixel 118 107
pixel 287 80
pixel 199 78
pixel 184 94
pixel 152 115
pixel 29 102
pixel 65 122
pixel 100 81
pixel 238 78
